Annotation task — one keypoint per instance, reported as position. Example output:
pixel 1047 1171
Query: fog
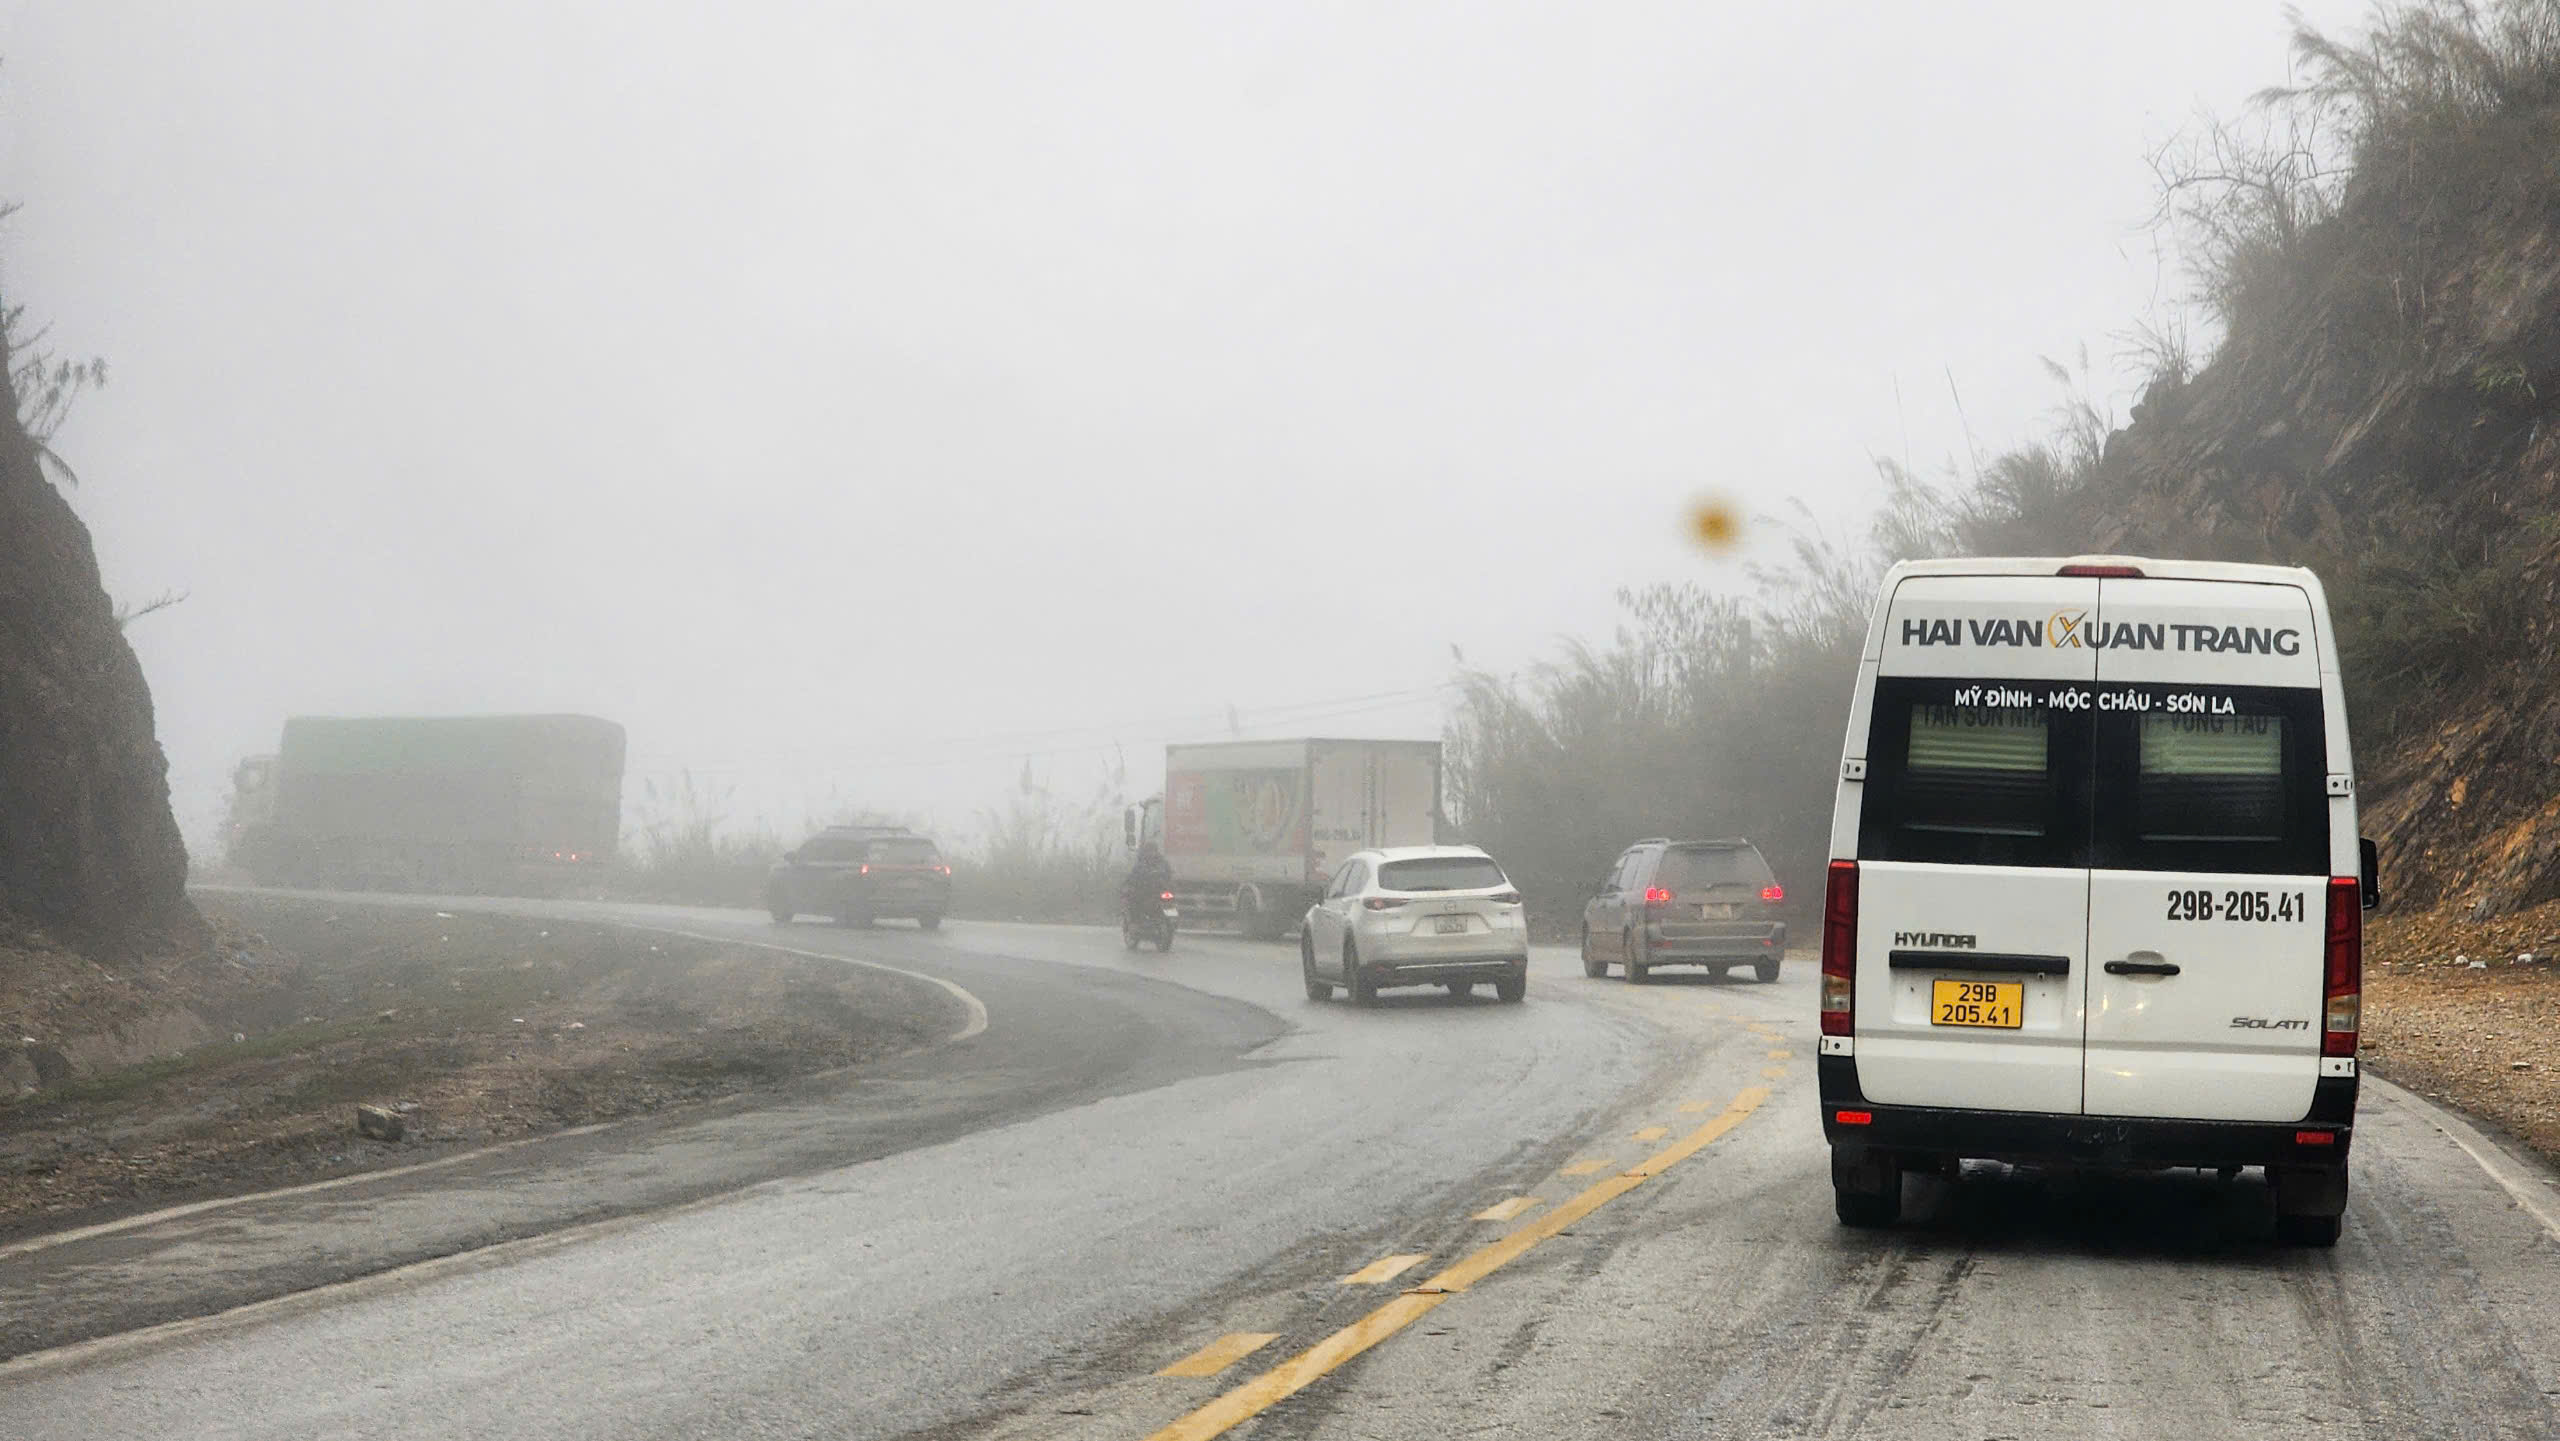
pixel 867 404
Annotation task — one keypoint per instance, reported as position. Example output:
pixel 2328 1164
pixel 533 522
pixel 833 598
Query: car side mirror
pixel 2371 855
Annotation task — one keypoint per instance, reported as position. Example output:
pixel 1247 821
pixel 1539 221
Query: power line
pixel 1012 744
pixel 851 766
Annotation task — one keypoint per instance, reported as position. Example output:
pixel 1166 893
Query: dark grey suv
pixel 859 874
pixel 1685 903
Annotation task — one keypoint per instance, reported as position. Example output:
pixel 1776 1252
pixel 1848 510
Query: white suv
pixel 1416 916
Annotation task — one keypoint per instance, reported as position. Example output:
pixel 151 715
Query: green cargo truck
pixel 460 803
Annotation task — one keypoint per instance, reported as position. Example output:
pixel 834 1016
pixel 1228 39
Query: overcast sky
pixel 855 399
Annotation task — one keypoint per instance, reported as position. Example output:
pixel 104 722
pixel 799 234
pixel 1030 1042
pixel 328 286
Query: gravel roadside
pixel 2468 1013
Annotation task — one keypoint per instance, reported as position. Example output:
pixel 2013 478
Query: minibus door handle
pixel 2141 963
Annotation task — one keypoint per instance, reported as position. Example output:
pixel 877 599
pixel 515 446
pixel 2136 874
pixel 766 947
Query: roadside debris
pixel 379 1123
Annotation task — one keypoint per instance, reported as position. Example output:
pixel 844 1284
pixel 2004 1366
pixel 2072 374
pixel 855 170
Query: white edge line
pixel 2535 1200
pixel 976 1023
pixel 116 1344
pixel 976 1008
pixel 33 1244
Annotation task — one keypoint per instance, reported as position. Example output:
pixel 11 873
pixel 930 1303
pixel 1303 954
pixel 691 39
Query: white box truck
pixel 1253 829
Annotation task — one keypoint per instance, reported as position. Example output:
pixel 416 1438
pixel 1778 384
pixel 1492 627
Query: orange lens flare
pixel 1715 525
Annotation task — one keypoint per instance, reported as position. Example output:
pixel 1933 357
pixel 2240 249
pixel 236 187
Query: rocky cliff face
pixel 2391 417
pixel 88 848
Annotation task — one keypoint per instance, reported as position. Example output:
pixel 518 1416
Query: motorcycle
pixel 1149 921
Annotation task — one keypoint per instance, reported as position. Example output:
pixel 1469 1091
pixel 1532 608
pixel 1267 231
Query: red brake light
pixel 1839 948
pixel 2103 572
pixel 1166 896
pixel 1383 903
pixel 1505 898
pixel 2342 981
pixel 1657 897
pixel 2315 1138
pixel 866 868
pixel 1854 1118
pixel 1773 893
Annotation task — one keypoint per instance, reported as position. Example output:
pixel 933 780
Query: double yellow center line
pixel 1302 1370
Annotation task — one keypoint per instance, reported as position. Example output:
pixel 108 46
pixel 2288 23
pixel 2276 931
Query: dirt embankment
pixel 2454 1011
pixel 154 1083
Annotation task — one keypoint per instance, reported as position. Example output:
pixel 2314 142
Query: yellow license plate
pixel 1996 1004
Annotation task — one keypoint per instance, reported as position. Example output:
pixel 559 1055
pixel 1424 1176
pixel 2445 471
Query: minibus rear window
pixel 2210 778
pixel 1970 784
pixel 2234 786
pixel 1977 770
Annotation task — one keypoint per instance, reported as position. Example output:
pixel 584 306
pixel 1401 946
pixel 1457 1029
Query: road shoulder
pixel 200 1260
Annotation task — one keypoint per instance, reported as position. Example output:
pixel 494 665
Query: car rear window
pixel 831 848
pixel 1441 873
pixel 910 852
pixel 1701 868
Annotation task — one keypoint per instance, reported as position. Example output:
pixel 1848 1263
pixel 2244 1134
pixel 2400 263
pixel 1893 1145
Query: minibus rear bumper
pixel 1919 1136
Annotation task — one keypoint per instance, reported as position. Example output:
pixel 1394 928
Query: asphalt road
pixel 1605 1212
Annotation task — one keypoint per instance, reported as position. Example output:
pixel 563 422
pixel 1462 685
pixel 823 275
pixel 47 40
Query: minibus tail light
pixel 1839 948
pixel 2342 982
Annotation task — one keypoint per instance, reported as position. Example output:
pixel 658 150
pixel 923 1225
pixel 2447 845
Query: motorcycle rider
pixel 1150 876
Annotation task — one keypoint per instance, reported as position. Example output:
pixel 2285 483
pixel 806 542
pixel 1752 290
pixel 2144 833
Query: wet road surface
pixel 1602 1213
